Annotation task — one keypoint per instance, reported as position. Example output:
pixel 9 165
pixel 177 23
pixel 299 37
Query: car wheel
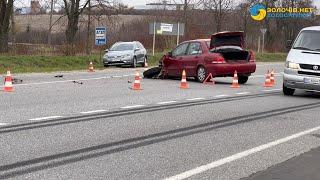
pixel 106 65
pixel 287 91
pixel 134 62
pixel 243 79
pixel 201 74
pixel 144 62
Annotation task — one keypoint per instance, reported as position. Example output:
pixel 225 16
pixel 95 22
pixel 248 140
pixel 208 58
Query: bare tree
pixel 6 11
pixel 218 8
pixel 73 11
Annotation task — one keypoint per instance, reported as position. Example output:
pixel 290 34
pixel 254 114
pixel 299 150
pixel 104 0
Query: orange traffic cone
pixel 267 82
pixel 235 83
pixel 209 79
pixel 137 84
pixel 184 84
pixel 8 83
pixel 91 69
pixel 272 78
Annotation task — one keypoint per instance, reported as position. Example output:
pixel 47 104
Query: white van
pixel 302 69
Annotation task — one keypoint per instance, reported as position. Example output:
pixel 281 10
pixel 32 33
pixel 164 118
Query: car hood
pixel 227 38
pixel 119 53
pixel 304 57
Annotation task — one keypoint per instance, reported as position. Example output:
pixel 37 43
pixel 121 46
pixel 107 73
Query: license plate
pixel 311 81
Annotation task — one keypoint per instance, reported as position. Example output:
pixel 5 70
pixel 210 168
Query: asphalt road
pixel 53 128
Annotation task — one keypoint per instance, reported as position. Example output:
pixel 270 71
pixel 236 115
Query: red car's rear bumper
pixel 227 69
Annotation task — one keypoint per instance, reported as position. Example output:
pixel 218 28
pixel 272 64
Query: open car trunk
pixel 230 45
pixel 234 54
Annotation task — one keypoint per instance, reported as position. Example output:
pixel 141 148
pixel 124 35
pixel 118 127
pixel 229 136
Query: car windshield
pixel 122 47
pixel 308 40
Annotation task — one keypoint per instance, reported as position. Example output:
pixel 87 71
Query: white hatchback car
pixel 302 69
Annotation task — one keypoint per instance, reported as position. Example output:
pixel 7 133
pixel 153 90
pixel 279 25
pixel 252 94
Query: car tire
pixel 152 72
pixel 201 74
pixel 287 91
pixel 106 65
pixel 243 79
pixel 144 62
pixel 134 62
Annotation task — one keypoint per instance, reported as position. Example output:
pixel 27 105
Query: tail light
pixel 252 57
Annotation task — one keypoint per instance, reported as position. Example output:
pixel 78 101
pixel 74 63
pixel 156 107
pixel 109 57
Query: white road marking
pixel 269 64
pixel 270 90
pixel 53 82
pixel 166 102
pixel 3 124
pixel 126 75
pixel 134 106
pixel 239 155
pixel 65 81
pixel 45 118
pixel 195 99
pixel 243 93
pixel 222 95
pixel 260 76
pixel 95 111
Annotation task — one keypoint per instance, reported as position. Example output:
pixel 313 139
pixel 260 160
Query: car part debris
pixel 77 82
pixel 58 76
pixel 16 81
pixel 152 73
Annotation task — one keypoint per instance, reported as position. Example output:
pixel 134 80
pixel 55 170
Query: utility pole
pixel 50 23
pixel 88 44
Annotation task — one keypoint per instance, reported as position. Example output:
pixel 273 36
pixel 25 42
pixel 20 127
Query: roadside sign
pixel 166 27
pixel 100 37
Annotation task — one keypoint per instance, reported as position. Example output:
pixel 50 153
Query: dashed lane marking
pixel 3 124
pixel 243 93
pixel 130 107
pixel 270 90
pixel 45 118
pixel 195 99
pixel 95 111
pixel 166 102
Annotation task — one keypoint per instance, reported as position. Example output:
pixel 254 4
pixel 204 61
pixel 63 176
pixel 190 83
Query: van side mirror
pixel 137 49
pixel 107 50
pixel 170 53
pixel 289 44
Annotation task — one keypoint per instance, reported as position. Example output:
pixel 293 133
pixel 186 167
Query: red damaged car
pixel 221 56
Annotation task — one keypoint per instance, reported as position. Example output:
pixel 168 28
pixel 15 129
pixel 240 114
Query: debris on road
pixel 152 73
pixel 58 76
pixel 17 81
pixel 77 82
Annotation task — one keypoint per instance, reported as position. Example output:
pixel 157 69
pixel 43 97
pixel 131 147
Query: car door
pixel 142 52
pixel 173 64
pixel 138 52
pixel 192 58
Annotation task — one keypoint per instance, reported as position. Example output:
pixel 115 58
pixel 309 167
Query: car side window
pixel 194 49
pixel 180 50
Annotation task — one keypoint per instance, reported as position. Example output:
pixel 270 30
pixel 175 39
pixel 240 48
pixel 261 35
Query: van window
pixel 308 40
